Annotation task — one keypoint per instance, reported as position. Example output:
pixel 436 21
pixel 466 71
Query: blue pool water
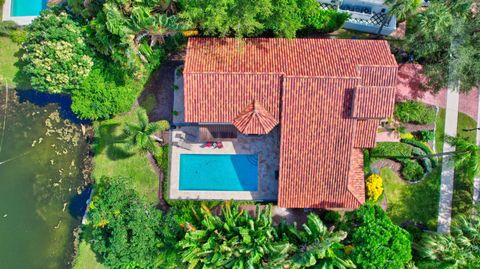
pixel 28 7
pixel 218 172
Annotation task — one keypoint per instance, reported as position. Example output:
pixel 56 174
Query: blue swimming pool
pixel 28 7
pixel 218 172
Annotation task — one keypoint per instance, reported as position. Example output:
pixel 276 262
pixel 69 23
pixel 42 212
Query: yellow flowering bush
pixel 374 185
pixel 407 136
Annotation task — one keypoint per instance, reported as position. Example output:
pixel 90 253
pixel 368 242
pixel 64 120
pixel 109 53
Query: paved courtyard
pixel 266 147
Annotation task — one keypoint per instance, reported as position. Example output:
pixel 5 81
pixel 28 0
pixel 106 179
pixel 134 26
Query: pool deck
pixel 20 20
pixel 266 147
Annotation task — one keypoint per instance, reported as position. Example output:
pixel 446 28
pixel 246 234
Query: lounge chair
pixel 182 144
pixel 219 145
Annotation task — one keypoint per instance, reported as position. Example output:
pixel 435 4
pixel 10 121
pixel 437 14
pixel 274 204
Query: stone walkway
pixel 446 185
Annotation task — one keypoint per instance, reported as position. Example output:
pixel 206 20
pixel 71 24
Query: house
pixel 325 97
pixel 370 16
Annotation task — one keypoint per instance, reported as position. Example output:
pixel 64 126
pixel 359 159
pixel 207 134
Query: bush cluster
pixel 391 149
pixel 425 135
pixel 412 171
pixel 424 147
pixel 414 112
pixel 374 184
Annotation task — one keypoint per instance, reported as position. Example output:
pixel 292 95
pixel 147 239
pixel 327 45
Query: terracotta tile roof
pixel 365 133
pixel 255 119
pixel 324 87
pixel 221 97
pixel 373 102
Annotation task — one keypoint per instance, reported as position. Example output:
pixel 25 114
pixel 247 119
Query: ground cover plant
pixel 414 112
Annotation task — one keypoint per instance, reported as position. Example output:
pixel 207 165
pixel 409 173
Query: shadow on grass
pixel 106 140
pixel 413 202
pixel 21 80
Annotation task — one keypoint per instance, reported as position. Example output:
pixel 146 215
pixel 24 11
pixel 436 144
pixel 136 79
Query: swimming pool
pixel 27 7
pixel 218 172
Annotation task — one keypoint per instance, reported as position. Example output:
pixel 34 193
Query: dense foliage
pixel 459 249
pixel 393 150
pixel 125 229
pixel 376 241
pixel 446 40
pixel 283 18
pixel 374 185
pixel 414 112
pixel 142 136
pixel 56 56
pixel 412 171
pixel 104 92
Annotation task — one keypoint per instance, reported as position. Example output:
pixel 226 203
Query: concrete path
pixel 446 186
pixel 476 181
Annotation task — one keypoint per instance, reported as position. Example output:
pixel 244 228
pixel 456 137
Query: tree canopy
pixel 446 40
pixel 377 242
pixel 56 57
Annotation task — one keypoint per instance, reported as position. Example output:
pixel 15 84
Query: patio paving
pixel 266 147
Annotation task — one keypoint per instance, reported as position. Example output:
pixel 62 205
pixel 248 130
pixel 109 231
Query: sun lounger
pixel 184 145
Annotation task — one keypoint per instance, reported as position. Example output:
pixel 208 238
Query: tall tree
pixel 445 39
pixel 403 9
pixel 233 240
pixel 241 18
pixel 460 249
pixel 142 136
pixel 316 246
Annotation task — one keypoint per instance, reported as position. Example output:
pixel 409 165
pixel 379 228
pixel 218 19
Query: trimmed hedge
pixel 423 147
pixel 391 150
pixel 412 171
pixel 414 112
pixel 425 135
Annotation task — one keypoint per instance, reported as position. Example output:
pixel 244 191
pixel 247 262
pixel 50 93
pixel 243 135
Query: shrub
pixel 391 150
pixel 56 56
pixel 104 92
pixel 412 171
pixel 125 228
pixel 425 135
pixel 18 36
pixel 332 217
pixel 377 242
pixel 374 185
pixel 414 112
pixel 417 151
pixel 366 161
pixel 426 164
pixel 406 136
pixel 422 146
pixel 326 20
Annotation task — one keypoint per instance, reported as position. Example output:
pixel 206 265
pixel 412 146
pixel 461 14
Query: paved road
pixel 446 185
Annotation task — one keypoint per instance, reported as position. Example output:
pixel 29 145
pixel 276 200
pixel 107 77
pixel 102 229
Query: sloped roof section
pixel 327 94
pixel 255 119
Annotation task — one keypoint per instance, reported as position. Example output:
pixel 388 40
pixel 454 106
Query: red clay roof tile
pixel 316 82
pixel 255 119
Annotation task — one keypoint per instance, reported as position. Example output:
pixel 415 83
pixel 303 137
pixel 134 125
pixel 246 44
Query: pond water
pixel 41 156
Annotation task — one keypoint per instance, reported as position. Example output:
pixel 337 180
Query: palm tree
pixel 233 240
pixel 403 9
pixel 460 249
pixel 142 136
pixel 317 246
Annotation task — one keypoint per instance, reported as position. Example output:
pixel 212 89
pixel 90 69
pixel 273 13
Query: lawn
pixel 112 159
pixel 463 186
pixel 440 130
pixel 412 202
pixel 8 60
pixel 86 258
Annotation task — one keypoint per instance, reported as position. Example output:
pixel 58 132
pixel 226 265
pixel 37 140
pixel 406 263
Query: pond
pixel 41 181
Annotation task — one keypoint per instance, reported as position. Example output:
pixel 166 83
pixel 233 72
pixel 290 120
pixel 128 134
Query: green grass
pixel 465 122
pixel 86 258
pixel 440 130
pixel 412 202
pixel 112 159
pixel 463 185
pixel 8 50
pixel 149 103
